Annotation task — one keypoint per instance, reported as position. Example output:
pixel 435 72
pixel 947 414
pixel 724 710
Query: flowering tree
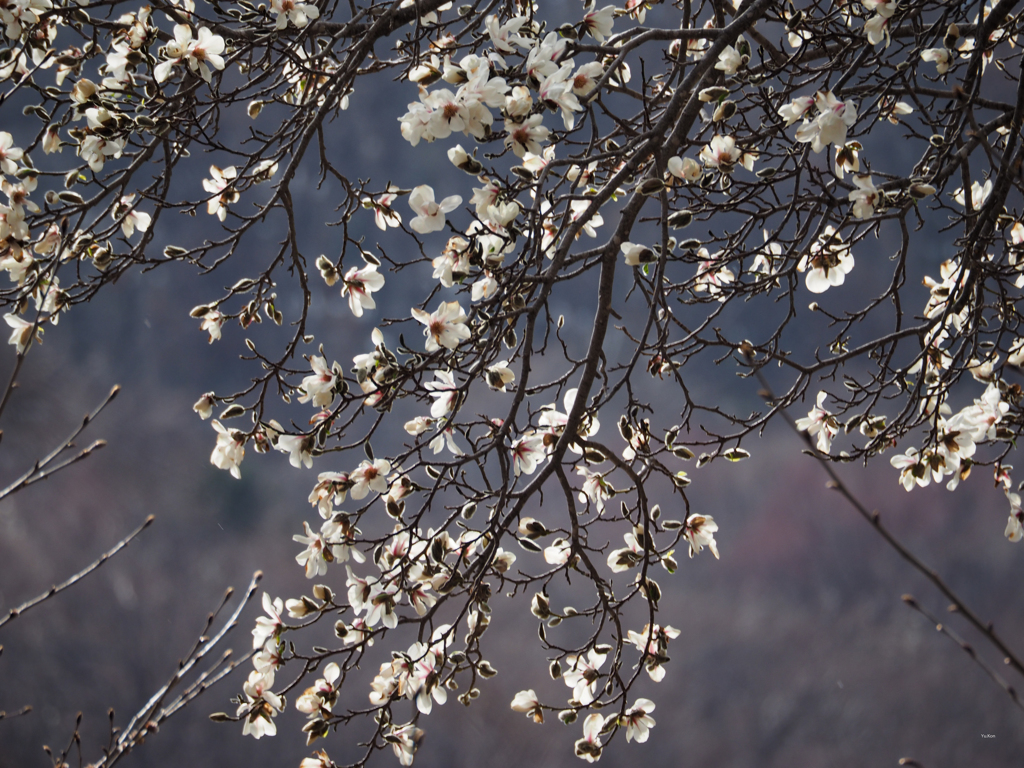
pixel 671 170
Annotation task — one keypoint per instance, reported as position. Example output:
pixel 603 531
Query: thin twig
pixel 58 588
pixel 153 713
pixel 967 648
pixel 36 474
pixel 873 517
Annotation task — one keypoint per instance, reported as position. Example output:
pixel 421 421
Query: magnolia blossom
pixel 684 168
pixel 586 78
pixel 526 136
pixel 298 14
pixel 731 59
pixel 220 186
pixel 405 740
pixel 699 532
pixel 445 392
pixel 446 326
pixel 430 215
pixel 499 375
pixel 211 323
pixel 821 423
pixel 834 118
pixel 527 703
pixel 599 22
pixel 9 154
pixel 913 469
pixel 369 476
pixel 200 53
pixel 21 333
pixel 313 556
pixel 847 158
pixel 131 219
pixel 941 56
pixel 829 262
pixel 589 747
pixel 583 675
pixel 299 449
pixel 637 254
pixel 638 720
pixel 979 194
pixel 796 109
pixel 204 406
pixel 359 283
pixel 723 154
pixel 527 452
pixel 864 197
pixel 384 215
pixel 261 704
pixel 269 626
pixel 653 643
pixel 318 388
pixel 229 451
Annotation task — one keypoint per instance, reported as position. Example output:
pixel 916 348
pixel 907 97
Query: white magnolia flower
pixel 312 557
pixel 527 703
pixel 877 29
pixel 445 392
pixel 698 531
pixel 320 386
pixel 269 626
pixel 430 215
pixel 589 747
pixel 864 197
pixel 653 643
pixel 583 675
pixel 298 14
pixel 587 77
pixel 229 451
pixel 723 154
pixel 204 406
pixel 638 720
pixel 941 56
pixel 913 468
pixel 446 326
pixel 132 220
pixel 685 168
pixel 834 118
pixel 637 254
pixel 204 51
pixel 219 185
pixel 369 476
pixel 384 215
pixel 730 59
pixel 9 154
pixel 796 109
pixel 299 449
pixel 821 423
pixel 261 704
pixel 21 333
pixel 527 452
pixel 405 740
pixel 979 194
pixel 499 375
pixel 526 136
pixel 359 283
pixel 599 22
pixel 829 262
